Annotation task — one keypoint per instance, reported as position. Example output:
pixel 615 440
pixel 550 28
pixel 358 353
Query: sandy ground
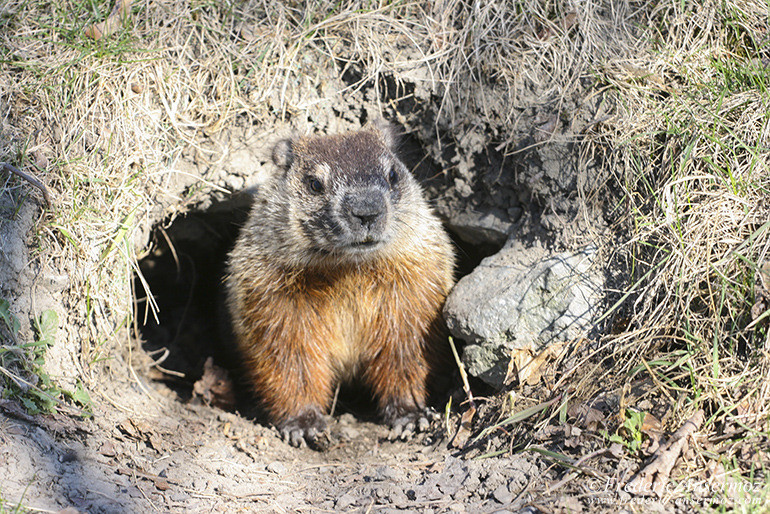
pixel 145 453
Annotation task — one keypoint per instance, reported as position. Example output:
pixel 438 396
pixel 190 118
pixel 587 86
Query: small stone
pixel 346 419
pixel 399 499
pixel 290 500
pixel 345 501
pixel 349 433
pixel 276 467
pixel 386 473
pixel 41 161
pixel 502 494
pixel 180 496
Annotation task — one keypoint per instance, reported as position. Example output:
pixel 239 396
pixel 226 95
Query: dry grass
pixel 685 140
pixel 690 152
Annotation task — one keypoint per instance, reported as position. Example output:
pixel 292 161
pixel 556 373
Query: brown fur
pixel 304 320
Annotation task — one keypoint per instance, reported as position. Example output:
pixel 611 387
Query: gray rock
pixel 522 298
pixel 491 226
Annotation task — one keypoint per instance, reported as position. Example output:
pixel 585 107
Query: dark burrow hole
pixel 184 272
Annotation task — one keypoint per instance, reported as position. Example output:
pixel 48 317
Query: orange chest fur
pixel 350 315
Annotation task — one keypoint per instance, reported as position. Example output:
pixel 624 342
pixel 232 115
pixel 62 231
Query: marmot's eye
pixel 393 176
pixel 315 185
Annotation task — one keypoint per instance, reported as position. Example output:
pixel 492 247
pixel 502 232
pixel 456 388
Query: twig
pixel 32 180
pixel 577 466
pixel 463 374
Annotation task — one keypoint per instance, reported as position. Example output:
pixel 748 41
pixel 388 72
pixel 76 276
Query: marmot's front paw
pixel 307 427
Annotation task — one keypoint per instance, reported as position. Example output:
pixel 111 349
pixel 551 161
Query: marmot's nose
pixel 365 209
pixel 367 220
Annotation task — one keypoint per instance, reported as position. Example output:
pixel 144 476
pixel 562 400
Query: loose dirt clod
pixel 215 386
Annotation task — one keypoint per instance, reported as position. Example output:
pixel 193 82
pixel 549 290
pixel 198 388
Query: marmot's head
pixel 345 192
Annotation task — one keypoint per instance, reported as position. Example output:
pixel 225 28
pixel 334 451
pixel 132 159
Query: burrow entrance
pixel 184 271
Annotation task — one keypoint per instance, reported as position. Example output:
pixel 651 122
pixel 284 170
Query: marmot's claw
pixel 295 437
pixel 405 426
pixel 305 428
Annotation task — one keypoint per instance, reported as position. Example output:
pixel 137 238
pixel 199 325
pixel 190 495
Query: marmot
pixel 340 272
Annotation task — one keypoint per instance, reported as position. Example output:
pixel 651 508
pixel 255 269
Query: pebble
pixel 345 501
pixel 276 467
pixel 502 494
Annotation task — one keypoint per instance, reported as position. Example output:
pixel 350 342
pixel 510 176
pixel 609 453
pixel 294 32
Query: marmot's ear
pixel 388 132
pixel 283 153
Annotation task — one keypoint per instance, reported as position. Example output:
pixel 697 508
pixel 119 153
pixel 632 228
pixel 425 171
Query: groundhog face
pixel 344 190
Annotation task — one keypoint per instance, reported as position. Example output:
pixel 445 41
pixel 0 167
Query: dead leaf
pixel 641 73
pixel 560 27
pixel 108 27
pixel 544 131
pixel 107 449
pixel 40 159
pixel 135 429
pixel 572 437
pixel 141 431
pixel 549 432
pixel 587 417
pixel 464 430
pixel 530 368
pixel 161 484
pixel 716 475
pixel 568 21
pixel 617 450
pixel 519 358
pixel 156 441
pixel 745 408
pixel 650 423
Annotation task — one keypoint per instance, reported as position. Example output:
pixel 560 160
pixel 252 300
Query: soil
pixel 148 452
